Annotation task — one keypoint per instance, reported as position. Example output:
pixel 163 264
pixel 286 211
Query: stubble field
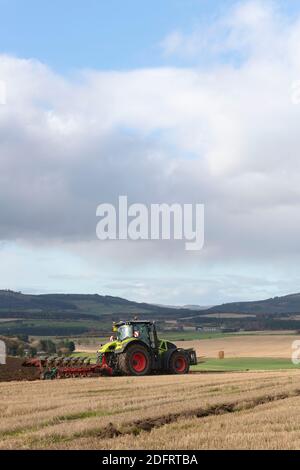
pixel 270 345
pixel 267 346
pixel 248 410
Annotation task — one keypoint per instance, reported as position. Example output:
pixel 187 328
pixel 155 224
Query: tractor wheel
pixel 179 363
pixel 135 360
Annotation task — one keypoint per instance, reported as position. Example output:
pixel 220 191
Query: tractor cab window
pixel 141 331
pixel 125 331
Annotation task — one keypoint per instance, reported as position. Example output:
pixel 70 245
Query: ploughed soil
pixel 14 370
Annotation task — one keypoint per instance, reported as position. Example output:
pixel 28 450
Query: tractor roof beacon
pixel 136 350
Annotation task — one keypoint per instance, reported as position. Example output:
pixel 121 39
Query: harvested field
pixel 236 410
pixel 240 345
pixel 279 346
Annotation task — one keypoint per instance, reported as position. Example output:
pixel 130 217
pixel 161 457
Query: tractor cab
pixel 144 331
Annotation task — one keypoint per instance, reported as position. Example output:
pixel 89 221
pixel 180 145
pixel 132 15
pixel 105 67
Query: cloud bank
pixel 224 133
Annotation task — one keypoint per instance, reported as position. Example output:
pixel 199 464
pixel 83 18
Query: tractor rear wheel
pixel 135 360
pixel 179 363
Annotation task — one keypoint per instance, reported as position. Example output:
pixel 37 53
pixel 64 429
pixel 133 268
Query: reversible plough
pixel 55 367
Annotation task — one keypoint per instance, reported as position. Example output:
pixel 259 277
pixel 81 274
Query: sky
pixel 114 35
pixel 186 101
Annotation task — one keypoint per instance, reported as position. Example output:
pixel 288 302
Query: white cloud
pixel 249 27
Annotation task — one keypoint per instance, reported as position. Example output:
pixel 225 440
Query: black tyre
pixel 135 360
pixel 179 363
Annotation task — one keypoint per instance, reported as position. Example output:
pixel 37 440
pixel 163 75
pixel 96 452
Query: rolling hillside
pixel 76 306
pixel 78 314
pixel 288 304
pixel 71 314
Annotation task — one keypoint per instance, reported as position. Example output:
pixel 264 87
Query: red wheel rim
pixel 180 364
pixel 139 362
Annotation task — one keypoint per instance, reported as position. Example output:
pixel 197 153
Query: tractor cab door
pixel 147 334
pixel 141 332
pixel 153 337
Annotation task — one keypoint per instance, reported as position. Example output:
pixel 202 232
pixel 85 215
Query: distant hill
pixel 77 306
pixel 184 307
pixel 73 314
pixel 196 307
pixel 288 304
pixel 67 315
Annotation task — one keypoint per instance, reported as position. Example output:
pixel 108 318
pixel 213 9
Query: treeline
pixel 249 324
pixel 23 315
pixel 34 302
pixel 44 330
pixel 22 346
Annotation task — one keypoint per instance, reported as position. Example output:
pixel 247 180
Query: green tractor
pixel 136 350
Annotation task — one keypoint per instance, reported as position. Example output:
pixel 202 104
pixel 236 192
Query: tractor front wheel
pixel 179 363
pixel 135 360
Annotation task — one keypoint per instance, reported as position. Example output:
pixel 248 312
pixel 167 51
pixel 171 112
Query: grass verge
pixel 245 364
